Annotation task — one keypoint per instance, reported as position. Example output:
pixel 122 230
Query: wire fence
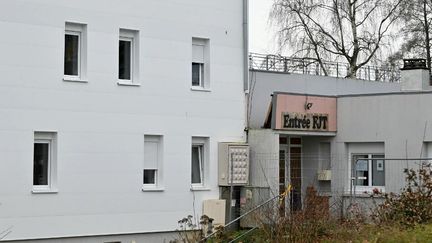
pixel 288 189
pixel 283 64
pixel 340 181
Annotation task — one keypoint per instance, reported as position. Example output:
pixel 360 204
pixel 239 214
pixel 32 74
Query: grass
pixel 363 234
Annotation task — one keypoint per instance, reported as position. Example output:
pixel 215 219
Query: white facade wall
pixel 397 124
pixel 100 125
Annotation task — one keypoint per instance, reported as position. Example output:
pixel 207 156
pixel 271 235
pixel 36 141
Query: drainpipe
pixel 246 62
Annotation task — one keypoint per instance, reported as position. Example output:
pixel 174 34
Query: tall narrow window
pixel 153 153
pixel 44 161
pixel 200 63
pixel 199 161
pixel 125 58
pixel 41 162
pixel 72 53
pixel 128 57
pixel 75 52
pixel 197 164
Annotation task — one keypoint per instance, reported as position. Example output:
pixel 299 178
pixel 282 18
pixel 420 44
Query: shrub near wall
pixel 413 205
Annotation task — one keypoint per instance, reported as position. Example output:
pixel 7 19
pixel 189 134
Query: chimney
pixel 415 75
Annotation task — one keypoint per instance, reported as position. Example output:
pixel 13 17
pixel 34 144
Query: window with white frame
pixel 368 170
pixel 200 63
pixel 44 161
pixel 75 55
pixel 199 158
pixel 153 152
pixel 128 57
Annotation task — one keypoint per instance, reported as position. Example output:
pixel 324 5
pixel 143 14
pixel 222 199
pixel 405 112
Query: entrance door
pixel 295 151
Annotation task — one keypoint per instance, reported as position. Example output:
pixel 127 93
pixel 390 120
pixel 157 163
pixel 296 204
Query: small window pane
pixel 361 170
pixel 40 164
pixel 71 58
pixel 296 141
pixel 197 74
pixel 196 164
pixel 125 59
pixel 149 176
pixel 378 171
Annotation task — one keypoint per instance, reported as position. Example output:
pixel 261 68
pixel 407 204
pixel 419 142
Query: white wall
pixel 402 122
pixel 100 125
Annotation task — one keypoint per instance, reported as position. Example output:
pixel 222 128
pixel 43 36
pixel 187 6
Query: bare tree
pixel 416 17
pixel 341 30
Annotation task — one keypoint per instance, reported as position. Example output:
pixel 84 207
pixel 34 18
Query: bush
pixel 413 205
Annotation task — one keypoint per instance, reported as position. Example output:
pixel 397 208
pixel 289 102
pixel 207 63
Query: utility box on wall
pixel 215 209
pixel 233 161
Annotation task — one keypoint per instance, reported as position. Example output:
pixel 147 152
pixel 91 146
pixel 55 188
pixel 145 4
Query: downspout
pixel 246 63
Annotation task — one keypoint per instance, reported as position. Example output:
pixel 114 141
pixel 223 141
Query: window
pixel 369 170
pixel 200 63
pixel 198 74
pixel 197 163
pixel 199 158
pixel 44 161
pixel 153 152
pixel 75 52
pixel 128 57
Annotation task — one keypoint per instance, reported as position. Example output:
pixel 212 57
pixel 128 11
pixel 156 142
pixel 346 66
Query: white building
pixel 111 113
pixel 372 132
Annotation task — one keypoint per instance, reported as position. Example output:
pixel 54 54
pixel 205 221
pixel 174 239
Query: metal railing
pixel 282 64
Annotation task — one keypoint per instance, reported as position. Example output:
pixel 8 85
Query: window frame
pixel 132 54
pixel 79 34
pixel 49 138
pixel 204 156
pixel 204 64
pixel 200 150
pixel 49 162
pixel 370 158
pixel 201 75
pixel 133 37
pixel 80 30
pixel 158 185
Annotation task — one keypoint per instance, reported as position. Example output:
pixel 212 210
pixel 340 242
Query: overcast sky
pixel 261 39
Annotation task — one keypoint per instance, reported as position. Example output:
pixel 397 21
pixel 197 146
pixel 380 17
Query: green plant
pixel 413 205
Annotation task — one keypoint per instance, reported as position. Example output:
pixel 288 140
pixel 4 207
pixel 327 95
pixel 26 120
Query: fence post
pixel 267 64
pixel 337 70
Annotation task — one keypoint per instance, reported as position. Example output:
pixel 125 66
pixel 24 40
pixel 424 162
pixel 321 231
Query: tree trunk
pixel 427 37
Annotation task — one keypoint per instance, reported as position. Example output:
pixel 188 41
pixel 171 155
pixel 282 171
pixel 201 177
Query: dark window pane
pixel 149 176
pixel 196 164
pixel 196 73
pixel 40 164
pixel 378 171
pixel 71 55
pixel 125 60
pixel 295 141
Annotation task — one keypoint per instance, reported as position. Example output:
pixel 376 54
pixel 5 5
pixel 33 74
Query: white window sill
pixel 199 188
pixel 128 83
pixel 153 189
pixel 74 79
pixel 367 190
pixel 198 88
pixel 42 191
